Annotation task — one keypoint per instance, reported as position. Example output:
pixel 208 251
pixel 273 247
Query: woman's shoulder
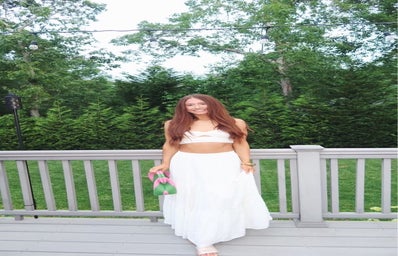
pixel 239 122
pixel 167 123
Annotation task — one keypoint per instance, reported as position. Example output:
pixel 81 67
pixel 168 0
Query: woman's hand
pixel 247 168
pixel 161 167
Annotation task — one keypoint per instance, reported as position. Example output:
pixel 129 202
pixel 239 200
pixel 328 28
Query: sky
pixel 126 14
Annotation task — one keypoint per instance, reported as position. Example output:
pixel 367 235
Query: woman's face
pixel 196 106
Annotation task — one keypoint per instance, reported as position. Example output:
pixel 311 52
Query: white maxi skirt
pixel 216 200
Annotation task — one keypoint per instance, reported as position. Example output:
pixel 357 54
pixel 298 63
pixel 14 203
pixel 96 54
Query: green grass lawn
pixel 269 186
pixel 347 180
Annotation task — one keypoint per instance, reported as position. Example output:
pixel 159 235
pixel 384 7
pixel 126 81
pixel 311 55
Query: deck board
pixel 125 237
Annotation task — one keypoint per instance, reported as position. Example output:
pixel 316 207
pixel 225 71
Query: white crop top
pixel 209 136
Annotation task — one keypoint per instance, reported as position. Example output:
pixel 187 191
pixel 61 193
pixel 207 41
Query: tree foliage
pixel 60 59
pixel 326 75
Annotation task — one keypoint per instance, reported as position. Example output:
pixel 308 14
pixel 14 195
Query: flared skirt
pixel 216 200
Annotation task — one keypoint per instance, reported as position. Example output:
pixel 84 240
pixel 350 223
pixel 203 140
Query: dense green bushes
pixel 274 124
pixel 99 127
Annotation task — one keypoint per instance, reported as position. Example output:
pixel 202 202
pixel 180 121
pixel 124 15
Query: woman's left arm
pixel 242 148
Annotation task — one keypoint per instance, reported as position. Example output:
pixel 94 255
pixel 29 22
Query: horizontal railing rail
pixel 80 182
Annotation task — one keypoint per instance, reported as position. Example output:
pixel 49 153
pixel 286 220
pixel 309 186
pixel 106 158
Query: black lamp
pixel 13 102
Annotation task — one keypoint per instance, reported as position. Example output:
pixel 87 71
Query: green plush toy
pixel 162 184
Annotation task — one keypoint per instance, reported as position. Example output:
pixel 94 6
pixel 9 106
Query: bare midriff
pixel 206 147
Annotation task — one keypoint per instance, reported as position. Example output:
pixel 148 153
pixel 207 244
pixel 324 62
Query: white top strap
pixel 208 136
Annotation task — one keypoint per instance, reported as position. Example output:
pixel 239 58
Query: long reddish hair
pixel 182 119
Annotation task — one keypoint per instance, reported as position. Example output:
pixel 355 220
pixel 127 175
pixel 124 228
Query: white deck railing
pixel 307 182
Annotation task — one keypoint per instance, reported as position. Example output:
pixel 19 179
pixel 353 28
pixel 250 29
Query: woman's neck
pixel 202 118
pixel 203 124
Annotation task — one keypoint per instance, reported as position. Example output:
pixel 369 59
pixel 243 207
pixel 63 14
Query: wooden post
pixel 309 184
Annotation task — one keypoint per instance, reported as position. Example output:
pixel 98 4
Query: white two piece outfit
pixel 216 200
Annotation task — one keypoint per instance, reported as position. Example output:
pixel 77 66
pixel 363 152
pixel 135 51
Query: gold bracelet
pixel 249 164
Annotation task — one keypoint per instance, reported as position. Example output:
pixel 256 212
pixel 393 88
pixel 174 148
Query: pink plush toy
pixel 162 184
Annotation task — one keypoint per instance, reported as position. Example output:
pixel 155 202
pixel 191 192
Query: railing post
pixel 26 187
pixel 309 184
pixel 5 188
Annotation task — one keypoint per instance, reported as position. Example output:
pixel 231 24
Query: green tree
pixel 161 87
pixel 55 131
pixel 43 54
pixel 95 129
pixel 8 137
pixel 267 118
pixel 232 28
pixel 326 74
pixel 304 59
pixel 139 127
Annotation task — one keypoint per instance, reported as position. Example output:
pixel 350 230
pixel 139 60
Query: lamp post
pixel 13 102
pixel 265 39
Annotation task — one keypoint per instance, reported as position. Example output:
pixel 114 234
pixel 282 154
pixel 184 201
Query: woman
pixel 209 160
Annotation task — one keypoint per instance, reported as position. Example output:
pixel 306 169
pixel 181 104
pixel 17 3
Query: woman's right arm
pixel 168 151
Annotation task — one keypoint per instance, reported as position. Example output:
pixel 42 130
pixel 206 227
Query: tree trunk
pixel 285 82
pixel 286 86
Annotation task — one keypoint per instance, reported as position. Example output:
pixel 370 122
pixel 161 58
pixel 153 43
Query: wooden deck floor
pixel 123 237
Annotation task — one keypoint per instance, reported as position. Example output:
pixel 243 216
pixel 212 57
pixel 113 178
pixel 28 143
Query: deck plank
pixel 125 237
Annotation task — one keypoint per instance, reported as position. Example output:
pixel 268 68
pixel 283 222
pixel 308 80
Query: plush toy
pixel 162 184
